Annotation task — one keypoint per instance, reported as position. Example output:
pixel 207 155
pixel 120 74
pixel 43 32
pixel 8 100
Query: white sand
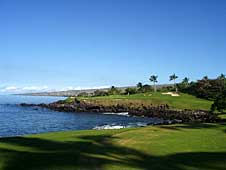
pixel 172 94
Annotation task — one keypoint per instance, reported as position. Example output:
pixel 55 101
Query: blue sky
pixel 60 44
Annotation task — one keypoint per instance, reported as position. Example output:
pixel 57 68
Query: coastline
pixel 162 111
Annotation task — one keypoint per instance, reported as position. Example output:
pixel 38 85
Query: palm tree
pixel 185 80
pixel 174 77
pixel 222 77
pixel 153 79
pixel 205 78
pixel 139 85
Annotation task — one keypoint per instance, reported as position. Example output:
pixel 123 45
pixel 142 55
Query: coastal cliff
pixel 162 111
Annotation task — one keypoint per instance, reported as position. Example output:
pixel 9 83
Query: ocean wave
pixel 105 127
pixel 114 126
pixel 121 114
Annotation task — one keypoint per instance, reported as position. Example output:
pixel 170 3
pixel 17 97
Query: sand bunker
pixel 172 94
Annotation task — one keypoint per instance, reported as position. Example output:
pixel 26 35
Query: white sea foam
pixel 121 114
pixel 109 127
pixel 114 126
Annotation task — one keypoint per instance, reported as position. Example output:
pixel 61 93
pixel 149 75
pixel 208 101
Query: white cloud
pixel 9 89
pixel 14 89
pixel 34 89
pixel 83 88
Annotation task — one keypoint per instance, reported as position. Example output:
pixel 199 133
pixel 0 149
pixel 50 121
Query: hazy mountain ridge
pixel 76 92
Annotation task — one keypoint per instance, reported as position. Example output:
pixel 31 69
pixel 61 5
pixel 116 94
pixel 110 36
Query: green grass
pixel 174 147
pixel 222 115
pixel 184 101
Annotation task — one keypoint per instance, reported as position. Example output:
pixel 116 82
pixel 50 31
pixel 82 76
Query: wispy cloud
pixel 14 89
pixel 34 89
pixel 9 89
pixel 83 88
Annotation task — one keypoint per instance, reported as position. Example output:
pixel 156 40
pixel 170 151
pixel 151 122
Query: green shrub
pixel 83 94
pixel 166 89
pixel 205 88
pixel 114 91
pixel 130 90
pixel 145 89
pixel 219 103
pixel 100 93
pixel 209 89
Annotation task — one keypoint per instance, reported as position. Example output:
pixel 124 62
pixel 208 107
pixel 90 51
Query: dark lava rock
pixel 161 111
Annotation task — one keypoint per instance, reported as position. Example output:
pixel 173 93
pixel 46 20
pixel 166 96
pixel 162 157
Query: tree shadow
pixel 222 113
pixel 169 127
pixel 96 152
pixel 197 126
pixel 192 126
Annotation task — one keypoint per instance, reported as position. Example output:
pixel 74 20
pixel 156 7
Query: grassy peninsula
pixel 181 102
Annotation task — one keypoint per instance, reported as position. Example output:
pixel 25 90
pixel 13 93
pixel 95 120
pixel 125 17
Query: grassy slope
pixel 174 147
pixel 184 101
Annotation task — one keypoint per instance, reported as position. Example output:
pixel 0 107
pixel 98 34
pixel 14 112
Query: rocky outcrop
pixel 161 111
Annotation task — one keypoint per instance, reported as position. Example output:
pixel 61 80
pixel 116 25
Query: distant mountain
pixel 68 92
pixel 72 93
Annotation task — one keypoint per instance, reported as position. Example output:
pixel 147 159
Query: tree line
pixel 210 89
pixel 140 88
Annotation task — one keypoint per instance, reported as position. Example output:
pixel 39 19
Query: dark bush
pixel 220 102
pixel 205 88
pixel 208 89
pixel 83 94
pixel 130 91
pixel 114 91
pixel 145 89
pixel 166 89
pixel 100 93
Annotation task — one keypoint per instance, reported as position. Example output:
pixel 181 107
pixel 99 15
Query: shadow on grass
pixel 198 126
pixel 96 152
pixel 192 126
pixel 222 113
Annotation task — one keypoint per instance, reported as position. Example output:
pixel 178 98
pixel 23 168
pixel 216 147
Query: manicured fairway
pixel 174 147
pixel 184 101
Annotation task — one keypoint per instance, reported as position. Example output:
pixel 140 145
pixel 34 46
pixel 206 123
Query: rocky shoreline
pixel 160 111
